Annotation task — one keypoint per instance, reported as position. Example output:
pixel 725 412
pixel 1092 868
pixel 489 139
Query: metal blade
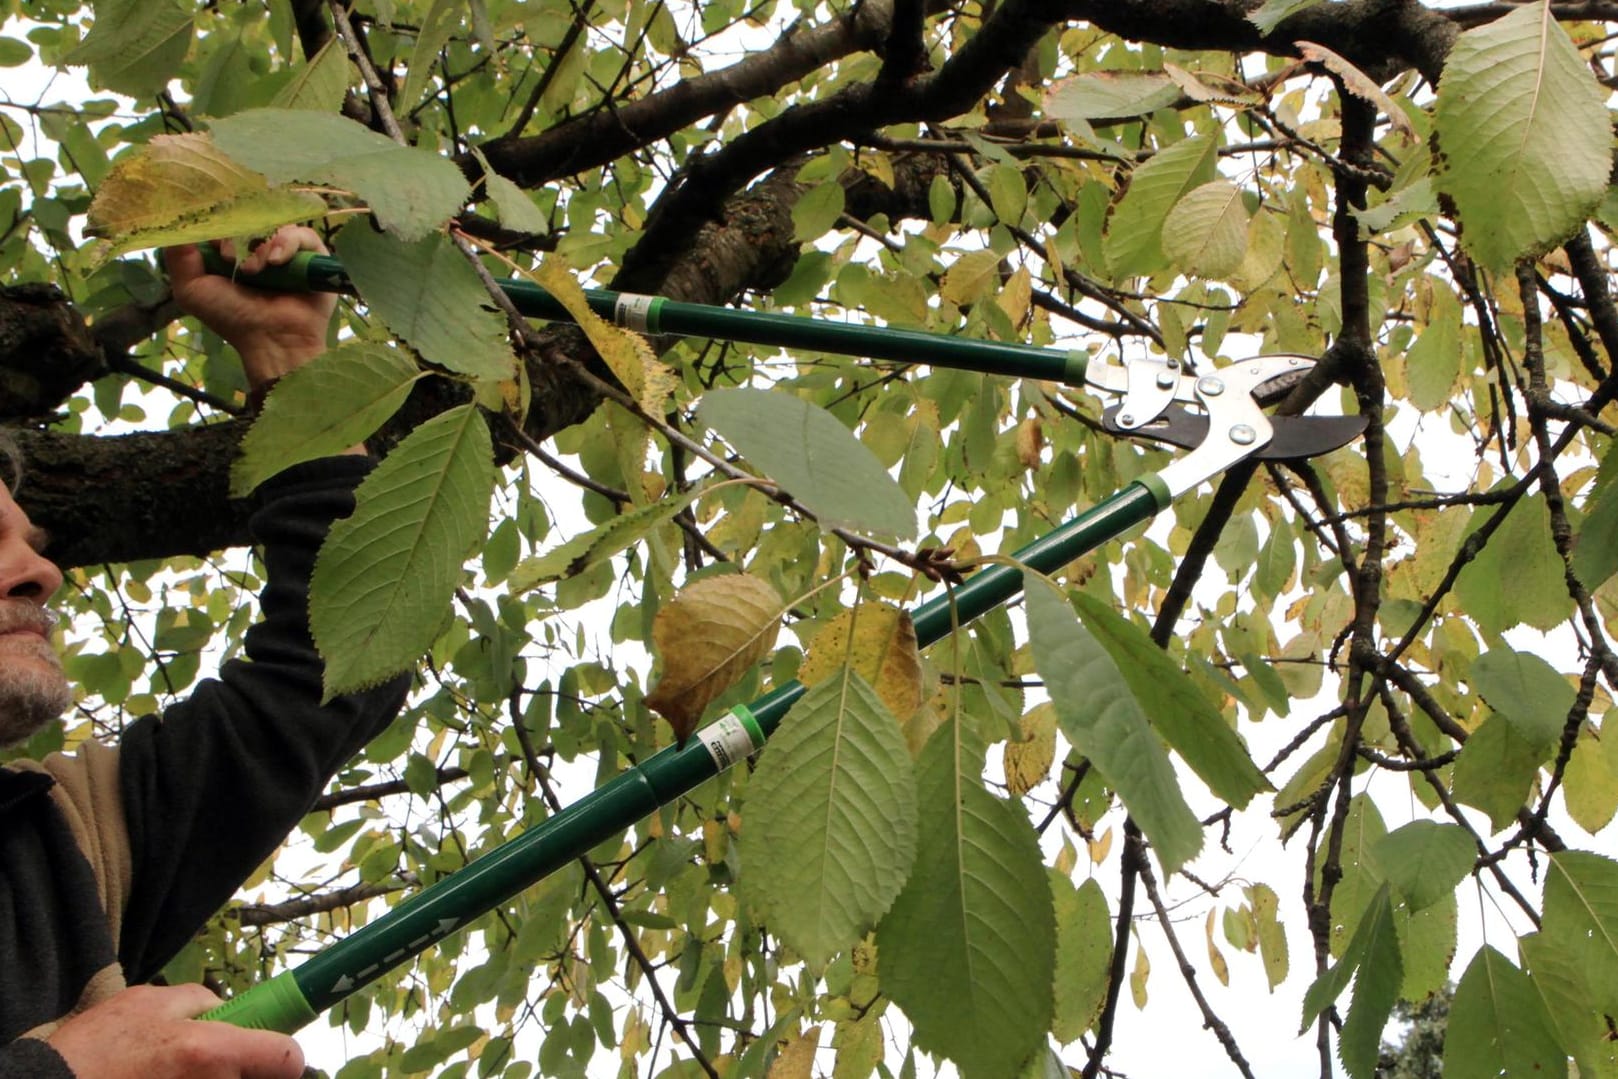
pixel 1296 437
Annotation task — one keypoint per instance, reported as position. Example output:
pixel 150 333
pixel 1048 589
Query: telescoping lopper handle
pixel 293 999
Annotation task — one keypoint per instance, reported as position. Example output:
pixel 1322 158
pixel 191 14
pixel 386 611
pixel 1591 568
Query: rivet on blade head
pixel 1210 387
pixel 1243 435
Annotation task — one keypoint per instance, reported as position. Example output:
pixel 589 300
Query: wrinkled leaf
pixel 135 46
pixel 1425 860
pixel 181 189
pixel 711 634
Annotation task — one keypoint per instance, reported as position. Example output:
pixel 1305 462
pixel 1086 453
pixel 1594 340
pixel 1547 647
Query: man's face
pixel 33 689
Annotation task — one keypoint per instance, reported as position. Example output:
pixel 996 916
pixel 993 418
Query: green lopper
pixel 1217 414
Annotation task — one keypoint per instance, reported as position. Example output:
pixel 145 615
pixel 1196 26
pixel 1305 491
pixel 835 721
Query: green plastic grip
pixel 290 276
pixel 278 1004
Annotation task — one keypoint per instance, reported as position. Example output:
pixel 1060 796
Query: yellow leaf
pixel 796 1060
pixel 971 278
pixel 180 188
pixel 879 642
pixel 627 355
pixel 708 637
pixel 1028 760
pixel 1137 977
pixel 1015 297
pixel 1221 969
pixel 1100 847
pixel 1030 438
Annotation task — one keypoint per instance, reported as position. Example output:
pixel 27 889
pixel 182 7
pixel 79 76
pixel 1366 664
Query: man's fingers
pixel 184 1001
pixel 284 243
pixel 260 1054
pixel 183 264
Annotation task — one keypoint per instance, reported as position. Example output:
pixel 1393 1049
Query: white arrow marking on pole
pixel 343 984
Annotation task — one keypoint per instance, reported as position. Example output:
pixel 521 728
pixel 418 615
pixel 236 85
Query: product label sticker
pixel 631 311
pixel 727 741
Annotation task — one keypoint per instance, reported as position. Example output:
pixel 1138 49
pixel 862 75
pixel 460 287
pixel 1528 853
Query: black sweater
pixel 112 858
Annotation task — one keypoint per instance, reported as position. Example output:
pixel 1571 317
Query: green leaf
pixel 385 577
pixel 1527 691
pixel 1008 193
pixel 1595 547
pixel 1434 362
pixel 1590 782
pixel 430 297
pixel 1402 207
pixel 813 457
pixel 135 46
pixel 1100 715
pixel 591 548
pixel 434 32
pixel 1133 244
pixel 817 211
pixel 1425 860
pixel 1498 1024
pixel 968 948
pixel 1580 925
pixel 322 408
pixel 1427 946
pixel 1205 234
pixel 1272 12
pixel 1495 770
pixel 411 191
pixel 1272 939
pixel 831 820
pixel 516 209
pixel 1580 1027
pixel 1521 551
pixel 1376 987
pixel 1524 136
pixel 1374 954
pixel 320 84
pixel 1179 711
pixel 1363 832
pixel 1107 95
pixel 1083 955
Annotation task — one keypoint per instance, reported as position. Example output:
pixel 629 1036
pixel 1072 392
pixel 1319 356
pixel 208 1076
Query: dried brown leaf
pixel 1358 83
pixel 708 637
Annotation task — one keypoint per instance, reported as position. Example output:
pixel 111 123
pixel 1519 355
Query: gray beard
pixel 33 689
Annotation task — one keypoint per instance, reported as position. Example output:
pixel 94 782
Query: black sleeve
pixel 30 1058
pixel 212 786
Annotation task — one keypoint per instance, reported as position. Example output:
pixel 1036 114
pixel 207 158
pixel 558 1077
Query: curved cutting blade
pixel 1296 437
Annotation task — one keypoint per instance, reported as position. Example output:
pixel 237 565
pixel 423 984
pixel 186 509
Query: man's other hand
pixel 149 1032
pixel 274 331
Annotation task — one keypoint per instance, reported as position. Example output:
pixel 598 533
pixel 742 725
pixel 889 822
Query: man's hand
pixel 148 1032
pixel 274 332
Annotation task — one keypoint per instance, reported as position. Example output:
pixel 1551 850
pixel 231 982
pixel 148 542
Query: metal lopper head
pixel 1219 416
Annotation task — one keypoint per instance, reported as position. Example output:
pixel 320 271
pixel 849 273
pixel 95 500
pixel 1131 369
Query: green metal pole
pixel 309 272
pixel 294 998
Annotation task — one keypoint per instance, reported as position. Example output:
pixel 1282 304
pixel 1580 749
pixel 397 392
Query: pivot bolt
pixel 1243 435
pixel 1126 420
pixel 1210 387
pixel 1165 381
